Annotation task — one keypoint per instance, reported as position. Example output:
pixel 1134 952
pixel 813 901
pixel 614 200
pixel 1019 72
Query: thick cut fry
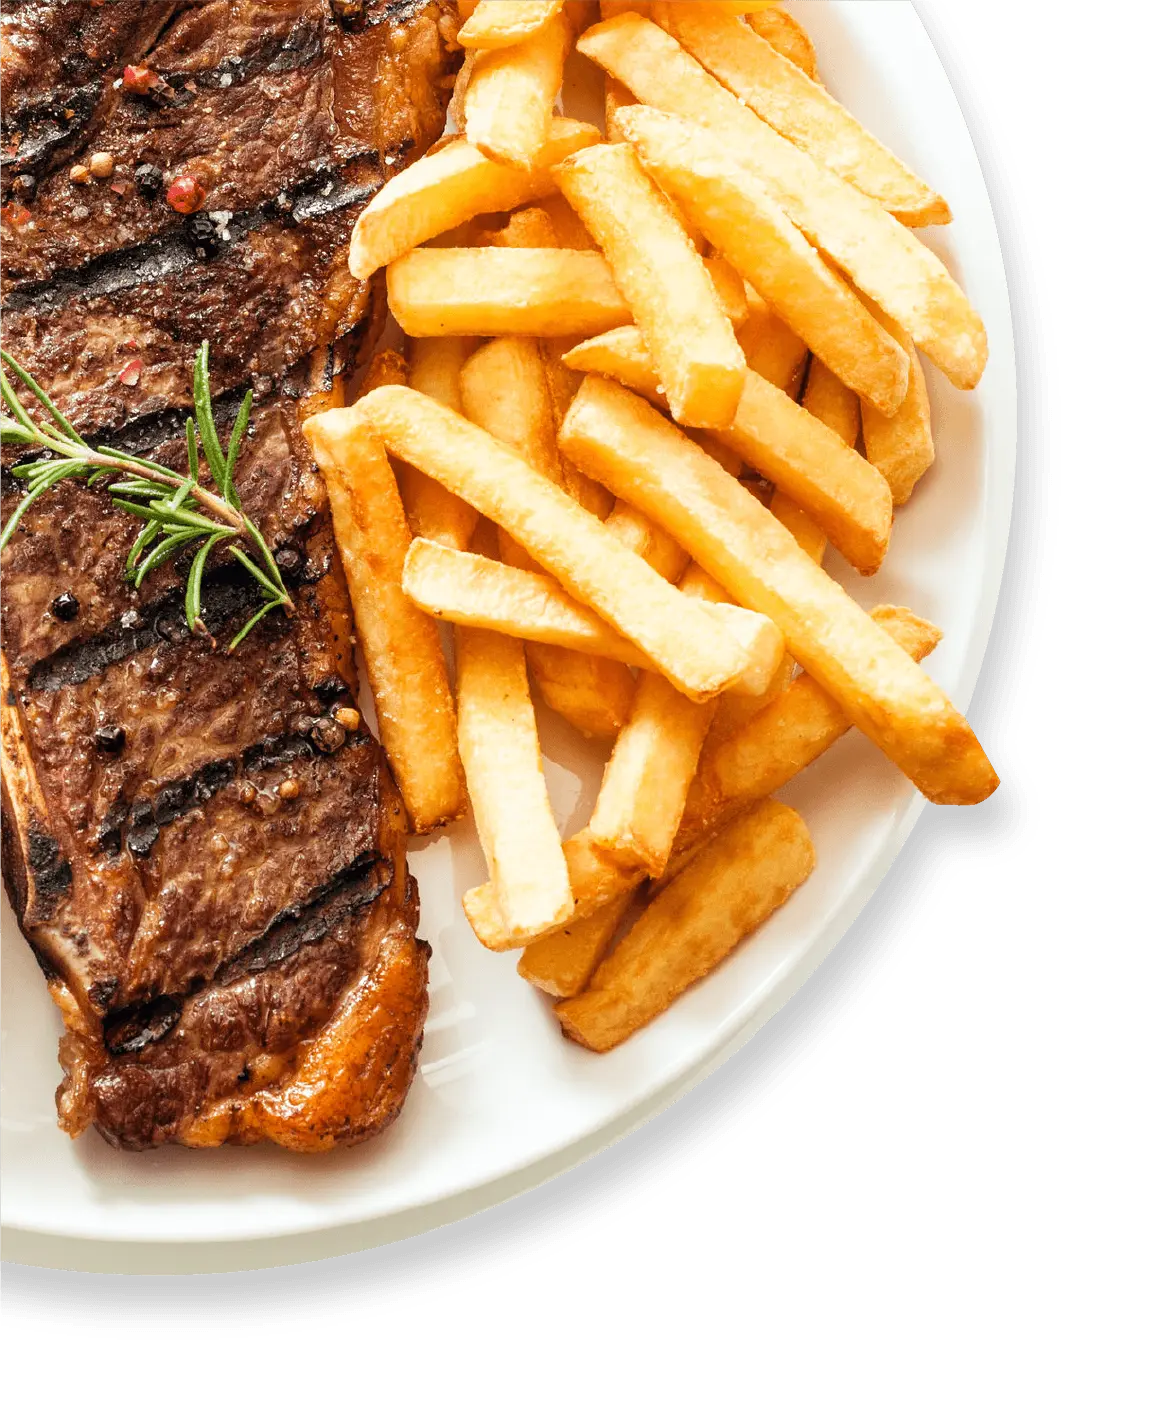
pixel 740 217
pixel 570 231
pixel 448 188
pixel 467 8
pixel 779 28
pixel 667 557
pixel 532 293
pixel 783 441
pixel 828 398
pixel 624 442
pixel 615 96
pixel 663 280
pixel 648 775
pixel 508 108
pixel 474 591
pixel 595 880
pixel 902 445
pixel 499 745
pixel 496 24
pixel 738 880
pixel 801 110
pixel 562 963
pixel 434 513
pixel 506 391
pixel 679 635
pixel 784 738
pixel 772 350
pixel 528 229
pixel 400 644
pixel 883 258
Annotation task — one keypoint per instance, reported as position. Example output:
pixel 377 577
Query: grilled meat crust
pixel 219 899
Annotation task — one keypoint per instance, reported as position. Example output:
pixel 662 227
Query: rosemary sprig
pixel 178 512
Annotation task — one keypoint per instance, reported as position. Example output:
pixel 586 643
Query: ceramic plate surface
pixel 502 1101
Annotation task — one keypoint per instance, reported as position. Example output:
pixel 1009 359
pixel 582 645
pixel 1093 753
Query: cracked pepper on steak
pixel 208 865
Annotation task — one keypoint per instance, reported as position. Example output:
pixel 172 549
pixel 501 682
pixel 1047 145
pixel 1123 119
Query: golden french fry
pixel 772 350
pixel 736 882
pixel 615 96
pixel 570 231
pixel 902 445
pixel 448 188
pixel 508 108
pixel 802 110
pixel 489 292
pixel 495 24
pixel 679 635
pixel 466 8
pixel 526 229
pixel 400 644
pixel 609 8
pixel 667 557
pixel 499 746
pixel 472 590
pixel 784 738
pixel 506 391
pixel 434 513
pixel 595 880
pixel 561 964
pixel 781 440
pixel 828 398
pixel 740 217
pixel 624 442
pixel 663 280
pixel 882 257
pixel 728 288
pixel 648 775
pixel 779 28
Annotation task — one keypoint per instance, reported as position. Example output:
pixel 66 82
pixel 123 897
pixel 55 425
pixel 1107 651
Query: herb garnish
pixel 151 492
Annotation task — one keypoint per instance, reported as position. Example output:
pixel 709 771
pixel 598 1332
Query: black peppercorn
pixel 66 607
pixel 149 181
pixel 289 560
pixel 204 236
pixel 301 724
pixel 327 735
pixel 110 739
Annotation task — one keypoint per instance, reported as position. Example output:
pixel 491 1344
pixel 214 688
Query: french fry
pixel 569 230
pixel 648 775
pixel 828 398
pixel 474 591
pixel 781 440
pixel 624 442
pixel 506 391
pixel 508 108
pixel 679 635
pixel 663 280
pixel 595 880
pixel 772 350
pixel 740 217
pixel 882 257
pixel 496 24
pixel 526 229
pixel 615 96
pixel 405 666
pixel 499 746
pixel 801 110
pixel 902 445
pixel 489 293
pixel 779 28
pixel 728 288
pixel 561 964
pixel 466 8
pixel 609 8
pixel 741 877
pixel 666 556
pixel 448 188
pixel 434 513
pixel 784 738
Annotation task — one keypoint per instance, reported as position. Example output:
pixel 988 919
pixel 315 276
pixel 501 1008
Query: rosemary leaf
pixel 250 623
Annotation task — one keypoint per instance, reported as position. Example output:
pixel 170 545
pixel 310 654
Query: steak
pixel 208 864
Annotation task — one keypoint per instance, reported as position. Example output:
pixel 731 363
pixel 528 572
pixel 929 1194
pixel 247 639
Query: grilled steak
pixel 208 864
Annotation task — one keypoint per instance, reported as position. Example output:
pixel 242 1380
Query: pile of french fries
pixel 648 380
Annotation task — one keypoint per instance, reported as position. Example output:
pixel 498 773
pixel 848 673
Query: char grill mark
pixel 219 935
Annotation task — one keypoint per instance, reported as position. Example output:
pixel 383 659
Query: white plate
pixel 502 1102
